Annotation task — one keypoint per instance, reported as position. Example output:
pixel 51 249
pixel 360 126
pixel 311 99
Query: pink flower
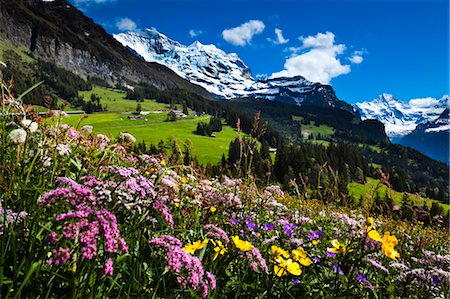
pixel 108 268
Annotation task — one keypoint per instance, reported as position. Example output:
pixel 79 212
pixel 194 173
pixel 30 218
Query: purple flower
pixel 288 229
pixel 330 254
pixel 268 226
pixel 250 224
pixel 338 269
pixel 315 235
pixel 435 280
pixel 297 281
pixel 234 221
pixel 361 277
pixel 316 259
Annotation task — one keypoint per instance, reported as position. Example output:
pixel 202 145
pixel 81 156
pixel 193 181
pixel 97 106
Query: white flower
pixel 63 149
pixel 18 136
pixel 87 129
pixel 47 162
pixel 30 125
pixel 128 136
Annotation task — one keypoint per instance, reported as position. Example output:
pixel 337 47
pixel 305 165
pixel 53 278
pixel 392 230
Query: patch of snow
pixel 438 129
pixel 401 118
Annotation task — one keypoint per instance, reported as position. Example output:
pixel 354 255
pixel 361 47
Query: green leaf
pixel 33 268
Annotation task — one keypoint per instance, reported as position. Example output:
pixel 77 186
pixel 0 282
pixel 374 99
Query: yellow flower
pixel 283 266
pixel 184 180
pixel 177 204
pixel 163 162
pixel 192 248
pixel 218 249
pixel 277 251
pixel 374 235
pixel 370 222
pixel 241 245
pixel 300 256
pixel 388 244
pixel 315 242
pixel 212 209
pixel 338 248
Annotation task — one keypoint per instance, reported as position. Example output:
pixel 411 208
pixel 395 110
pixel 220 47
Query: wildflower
pixel 374 235
pixel 288 229
pixel 277 251
pixel 30 125
pixel 299 255
pixel 128 137
pixel 268 226
pixel 388 244
pixel 192 248
pixel 219 249
pixel 361 277
pixel 250 224
pixel 338 248
pixel 215 232
pixel 108 268
pixel 87 129
pixel 184 181
pixel 213 209
pixel 63 149
pixel 241 245
pixel 18 136
pixel 378 265
pixel 315 235
pixel 282 266
pixel 59 257
pixel 338 269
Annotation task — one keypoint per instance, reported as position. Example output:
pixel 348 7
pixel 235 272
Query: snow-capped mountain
pixel 401 118
pixel 431 138
pixel 225 75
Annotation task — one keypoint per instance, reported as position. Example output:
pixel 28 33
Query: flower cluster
pixel 187 268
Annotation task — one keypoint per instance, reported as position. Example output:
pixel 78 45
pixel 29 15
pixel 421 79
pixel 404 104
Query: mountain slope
pixel 431 138
pixel 401 118
pixel 225 75
pixel 59 33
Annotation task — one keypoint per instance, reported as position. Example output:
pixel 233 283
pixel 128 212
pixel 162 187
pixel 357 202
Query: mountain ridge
pixel 399 117
pixel 58 32
pixel 225 75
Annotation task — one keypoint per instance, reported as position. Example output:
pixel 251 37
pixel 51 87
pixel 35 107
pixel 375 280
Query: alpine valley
pixel 307 126
pixel 133 166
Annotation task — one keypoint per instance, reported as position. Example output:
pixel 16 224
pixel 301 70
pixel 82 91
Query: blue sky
pixel 362 48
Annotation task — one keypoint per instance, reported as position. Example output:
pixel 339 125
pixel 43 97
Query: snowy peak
pixel 224 75
pixel 401 118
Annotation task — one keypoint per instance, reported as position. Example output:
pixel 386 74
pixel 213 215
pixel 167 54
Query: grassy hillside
pixel 372 186
pixel 114 100
pixel 155 128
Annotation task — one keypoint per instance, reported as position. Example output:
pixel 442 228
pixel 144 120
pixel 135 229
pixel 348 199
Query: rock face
pixel 401 118
pixel 57 32
pixel 225 75
pixel 431 138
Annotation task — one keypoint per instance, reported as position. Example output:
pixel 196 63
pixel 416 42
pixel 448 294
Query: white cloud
pixel 357 57
pixel 423 102
pixel 243 34
pixel 320 62
pixel 194 33
pixel 126 24
pixel 280 38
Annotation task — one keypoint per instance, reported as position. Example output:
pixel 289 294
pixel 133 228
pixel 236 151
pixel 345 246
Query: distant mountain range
pixel 225 75
pixel 401 118
pixel 431 138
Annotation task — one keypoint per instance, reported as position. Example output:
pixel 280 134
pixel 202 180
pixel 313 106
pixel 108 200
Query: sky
pixel 362 48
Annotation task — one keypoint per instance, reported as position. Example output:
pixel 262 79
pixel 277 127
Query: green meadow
pixel 373 186
pixel 154 128
pixel 114 100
